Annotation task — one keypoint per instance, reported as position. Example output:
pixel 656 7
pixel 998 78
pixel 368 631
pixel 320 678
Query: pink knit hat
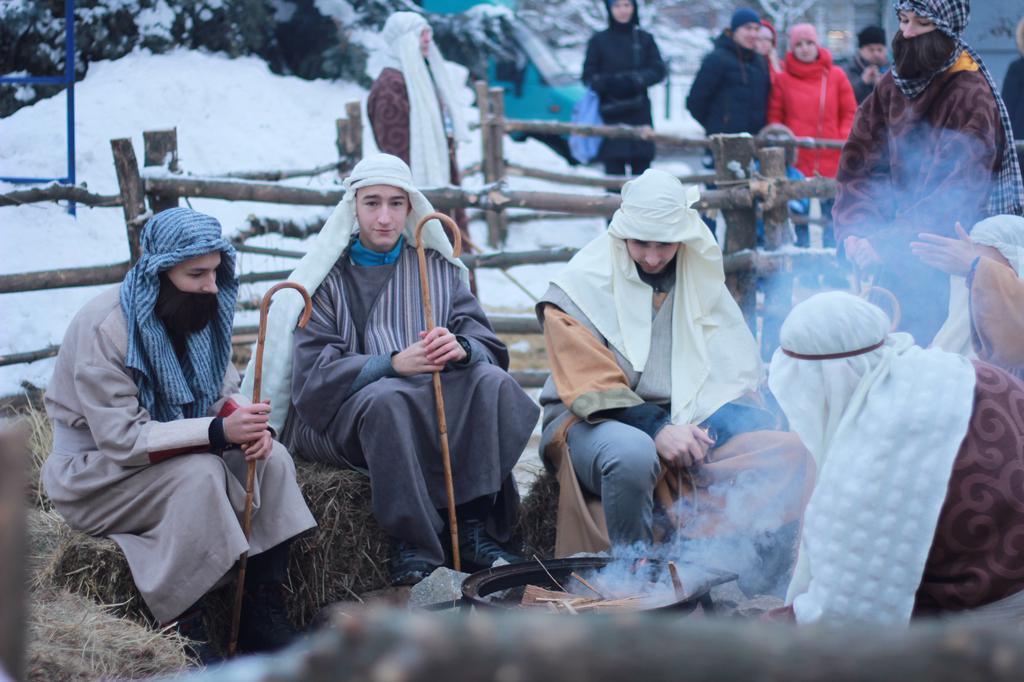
pixel 803 32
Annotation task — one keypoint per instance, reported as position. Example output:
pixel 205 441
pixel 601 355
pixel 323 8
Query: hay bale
pixel 346 555
pixel 72 638
pixel 343 557
pixel 538 516
pixel 40 444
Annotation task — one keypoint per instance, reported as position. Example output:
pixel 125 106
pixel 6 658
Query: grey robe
pixel 178 521
pixel 352 410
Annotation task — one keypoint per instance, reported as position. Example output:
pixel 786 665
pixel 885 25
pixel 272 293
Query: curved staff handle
pixel 250 477
pixel 421 254
pixel 442 422
pixel 879 296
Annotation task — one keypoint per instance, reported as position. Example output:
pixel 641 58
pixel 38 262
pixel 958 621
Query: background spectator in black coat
pixel 868 63
pixel 1013 91
pixel 622 62
pixel 730 92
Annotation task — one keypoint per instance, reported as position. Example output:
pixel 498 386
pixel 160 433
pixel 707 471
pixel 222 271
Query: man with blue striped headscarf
pixel 151 437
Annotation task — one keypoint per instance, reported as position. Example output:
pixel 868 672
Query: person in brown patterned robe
pixel 919 509
pixel 918 164
pixel 975 555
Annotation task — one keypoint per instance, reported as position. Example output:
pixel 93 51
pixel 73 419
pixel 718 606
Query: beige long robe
pixel 115 472
pixel 997 315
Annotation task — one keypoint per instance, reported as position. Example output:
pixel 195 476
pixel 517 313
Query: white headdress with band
pixel 1003 232
pixel 323 253
pixel 884 420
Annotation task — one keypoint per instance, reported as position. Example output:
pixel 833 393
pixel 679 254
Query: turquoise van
pixel 536 85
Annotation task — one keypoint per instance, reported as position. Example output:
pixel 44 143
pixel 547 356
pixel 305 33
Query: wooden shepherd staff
pixel 442 423
pixel 250 477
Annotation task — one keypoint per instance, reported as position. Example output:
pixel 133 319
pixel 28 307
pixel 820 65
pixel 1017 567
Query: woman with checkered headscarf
pixel 931 146
pixel 151 437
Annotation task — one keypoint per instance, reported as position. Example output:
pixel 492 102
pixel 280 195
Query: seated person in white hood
pixel 654 373
pixel 986 298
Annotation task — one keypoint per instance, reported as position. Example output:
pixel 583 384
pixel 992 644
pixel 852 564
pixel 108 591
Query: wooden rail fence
pixel 740 194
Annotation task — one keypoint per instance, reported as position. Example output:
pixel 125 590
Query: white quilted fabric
pixel 884 460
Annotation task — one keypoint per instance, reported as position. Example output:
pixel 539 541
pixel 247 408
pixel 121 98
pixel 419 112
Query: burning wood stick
pixel 677 583
pixel 587 585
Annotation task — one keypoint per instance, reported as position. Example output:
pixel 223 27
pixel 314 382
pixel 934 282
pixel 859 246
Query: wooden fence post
pixel 497 226
pixel 733 157
pixel 488 159
pixel 14 464
pixel 130 183
pixel 350 134
pixel 161 150
pixel 777 287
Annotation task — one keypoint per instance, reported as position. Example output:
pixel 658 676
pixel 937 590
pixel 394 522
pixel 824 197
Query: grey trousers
pixel 618 463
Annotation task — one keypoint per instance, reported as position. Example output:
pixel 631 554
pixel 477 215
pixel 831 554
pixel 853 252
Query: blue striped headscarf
pixel 170 389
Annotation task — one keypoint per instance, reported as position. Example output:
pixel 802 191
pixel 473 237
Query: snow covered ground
pixel 231 115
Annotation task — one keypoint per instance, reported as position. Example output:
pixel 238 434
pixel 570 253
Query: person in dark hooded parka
pixel 622 62
pixel 730 92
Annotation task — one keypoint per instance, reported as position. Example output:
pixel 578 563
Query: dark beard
pixel 183 313
pixel 921 56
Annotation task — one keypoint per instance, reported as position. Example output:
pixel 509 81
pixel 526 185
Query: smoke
pixel 740 532
pixel 918 178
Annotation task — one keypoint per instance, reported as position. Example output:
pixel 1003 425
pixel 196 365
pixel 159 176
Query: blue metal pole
pixel 69 74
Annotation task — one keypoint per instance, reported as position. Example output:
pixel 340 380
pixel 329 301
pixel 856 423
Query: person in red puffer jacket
pixel 813 98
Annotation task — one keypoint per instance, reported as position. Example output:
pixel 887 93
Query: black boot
pixel 190 625
pixel 407 564
pixel 478 548
pixel 264 624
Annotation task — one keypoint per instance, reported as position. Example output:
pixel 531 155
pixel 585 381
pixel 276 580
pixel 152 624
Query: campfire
pixel 594 585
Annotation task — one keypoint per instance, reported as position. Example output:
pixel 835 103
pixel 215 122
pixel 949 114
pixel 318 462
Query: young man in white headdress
pixel 655 373
pixel 151 437
pixel 986 299
pixel 413 106
pixel 920 453
pixel 356 381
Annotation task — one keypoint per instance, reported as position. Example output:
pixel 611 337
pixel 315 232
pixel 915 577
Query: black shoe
pixel 190 625
pixel 406 564
pixel 479 548
pixel 264 623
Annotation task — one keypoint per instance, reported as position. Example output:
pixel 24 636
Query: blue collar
pixel 361 255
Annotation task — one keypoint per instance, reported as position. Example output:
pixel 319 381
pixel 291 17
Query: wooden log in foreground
pixel 14 459
pixel 489 645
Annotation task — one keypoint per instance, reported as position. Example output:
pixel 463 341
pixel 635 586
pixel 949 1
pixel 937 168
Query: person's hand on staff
pixel 259 448
pixel 248 423
pixel 860 251
pixel 442 347
pixel 430 354
pixel 683 445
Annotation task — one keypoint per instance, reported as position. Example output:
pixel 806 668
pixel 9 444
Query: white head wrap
pixel 1004 232
pixel 323 253
pixel 884 426
pixel 425 82
pixel 714 355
